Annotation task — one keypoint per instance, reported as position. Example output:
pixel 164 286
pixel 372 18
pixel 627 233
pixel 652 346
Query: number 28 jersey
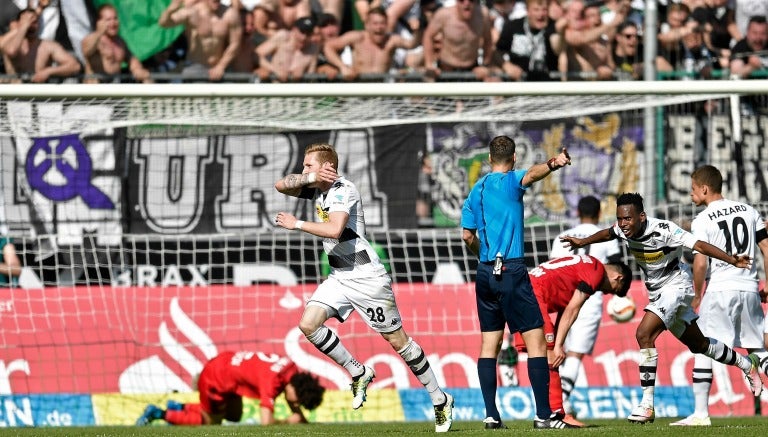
pixel 736 228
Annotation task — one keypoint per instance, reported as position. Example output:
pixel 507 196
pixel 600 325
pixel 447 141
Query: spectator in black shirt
pixel 751 53
pixel 529 45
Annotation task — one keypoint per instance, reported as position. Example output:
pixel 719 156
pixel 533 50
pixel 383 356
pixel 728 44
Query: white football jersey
pixel 601 251
pixel 352 247
pixel 657 251
pixel 731 226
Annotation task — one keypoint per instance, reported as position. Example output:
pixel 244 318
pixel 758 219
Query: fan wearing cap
pixel 289 54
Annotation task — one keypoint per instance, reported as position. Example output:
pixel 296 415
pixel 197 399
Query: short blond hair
pixel 325 153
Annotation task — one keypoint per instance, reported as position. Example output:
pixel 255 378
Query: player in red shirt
pixel 561 286
pixel 228 377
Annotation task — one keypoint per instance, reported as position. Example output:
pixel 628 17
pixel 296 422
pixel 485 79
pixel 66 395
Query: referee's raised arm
pixel 538 172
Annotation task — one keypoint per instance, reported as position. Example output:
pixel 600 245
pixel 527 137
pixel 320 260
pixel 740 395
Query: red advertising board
pixel 156 339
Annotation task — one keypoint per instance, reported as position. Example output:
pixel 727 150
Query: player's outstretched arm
pixel 597 237
pixel 743 261
pixel 540 171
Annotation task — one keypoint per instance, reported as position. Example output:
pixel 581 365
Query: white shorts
pixel 583 334
pixel 372 297
pixel 734 317
pixel 672 303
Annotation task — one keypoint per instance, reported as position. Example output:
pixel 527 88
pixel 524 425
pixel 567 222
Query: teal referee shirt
pixel 494 208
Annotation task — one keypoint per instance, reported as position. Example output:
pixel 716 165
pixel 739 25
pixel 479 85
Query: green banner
pixel 139 28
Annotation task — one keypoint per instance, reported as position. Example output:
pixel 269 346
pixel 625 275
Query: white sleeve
pixel 605 250
pixel 558 250
pixel 680 236
pixel 699 232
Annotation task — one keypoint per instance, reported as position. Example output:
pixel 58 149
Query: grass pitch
pixel 726 426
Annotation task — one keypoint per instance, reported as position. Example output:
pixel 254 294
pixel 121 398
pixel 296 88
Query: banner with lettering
pixel 104 183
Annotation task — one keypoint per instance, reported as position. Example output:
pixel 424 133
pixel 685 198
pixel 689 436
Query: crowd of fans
pixel 374 40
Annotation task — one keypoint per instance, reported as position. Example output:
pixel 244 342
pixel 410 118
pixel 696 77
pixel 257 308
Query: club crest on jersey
pixel 322 214
pixel 550 338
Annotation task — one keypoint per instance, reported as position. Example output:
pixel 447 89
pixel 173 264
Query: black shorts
pixel 507 298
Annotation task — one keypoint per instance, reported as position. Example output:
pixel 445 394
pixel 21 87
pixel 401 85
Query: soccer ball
pixel 621 309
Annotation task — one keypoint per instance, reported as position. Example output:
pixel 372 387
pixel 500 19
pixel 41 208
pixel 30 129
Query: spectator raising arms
pixel 24 53
pixel 105 51
pixel 466 29
pixel 372 48
pixel 289 54
pixel 213 34
pixel 269 16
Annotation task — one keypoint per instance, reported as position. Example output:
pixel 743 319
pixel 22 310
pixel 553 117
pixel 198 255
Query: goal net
pixel 143 219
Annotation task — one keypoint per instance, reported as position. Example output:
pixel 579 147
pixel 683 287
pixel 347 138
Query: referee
pixel 492 222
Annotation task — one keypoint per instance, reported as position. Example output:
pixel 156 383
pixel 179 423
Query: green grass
pixel 726 426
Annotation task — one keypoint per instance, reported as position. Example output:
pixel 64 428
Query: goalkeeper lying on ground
pixel 228 377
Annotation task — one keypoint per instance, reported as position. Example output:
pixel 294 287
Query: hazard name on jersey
pixel 723 212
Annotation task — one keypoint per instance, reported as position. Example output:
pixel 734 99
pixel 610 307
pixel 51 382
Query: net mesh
pixel 306 113
pixel 121 303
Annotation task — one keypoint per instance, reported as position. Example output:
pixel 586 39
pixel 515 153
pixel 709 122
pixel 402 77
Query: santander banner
pixel 154 340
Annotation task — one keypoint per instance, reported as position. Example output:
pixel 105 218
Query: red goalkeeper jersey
pixel 555 281
pixel 250 374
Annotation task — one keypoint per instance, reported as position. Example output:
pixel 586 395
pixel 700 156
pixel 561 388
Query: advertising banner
pixel 140 341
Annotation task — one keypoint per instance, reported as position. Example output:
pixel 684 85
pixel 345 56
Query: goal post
pixel 143 217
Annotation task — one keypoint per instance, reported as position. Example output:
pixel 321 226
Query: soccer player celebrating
pixel 358 280
pixel 730 307
pixel 656 246
pixel 228 377
pixel 563 286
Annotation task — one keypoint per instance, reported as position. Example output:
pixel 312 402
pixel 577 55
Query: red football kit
pixel 555 281
pixel 554 284
pixel 228 377
pixel 250 374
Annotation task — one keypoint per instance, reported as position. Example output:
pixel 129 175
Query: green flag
pixel 139 28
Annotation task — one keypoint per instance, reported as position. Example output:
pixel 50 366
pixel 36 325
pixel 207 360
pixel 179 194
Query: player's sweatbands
pixel 343 261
